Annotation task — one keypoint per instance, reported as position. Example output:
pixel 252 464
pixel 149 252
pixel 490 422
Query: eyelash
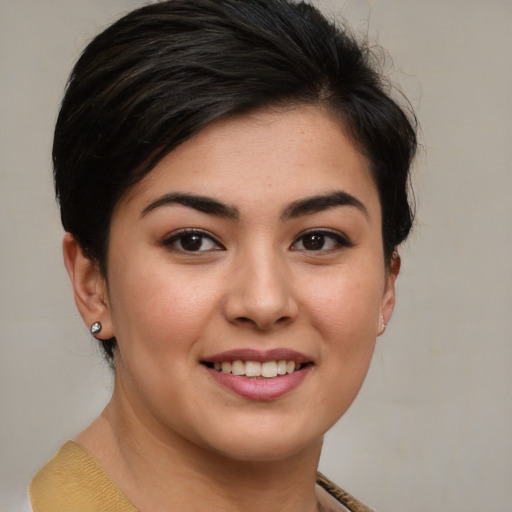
pixel 182 234
pixel 340 241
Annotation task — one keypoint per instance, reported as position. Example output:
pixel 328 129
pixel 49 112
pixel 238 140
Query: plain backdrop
pixel 431 428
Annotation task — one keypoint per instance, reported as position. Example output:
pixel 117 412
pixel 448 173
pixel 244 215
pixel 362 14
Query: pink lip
pixel 261 356
pixel 260 389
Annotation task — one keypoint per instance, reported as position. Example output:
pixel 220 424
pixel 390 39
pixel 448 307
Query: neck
pixel 161 472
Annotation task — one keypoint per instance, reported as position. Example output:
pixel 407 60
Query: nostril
pixel 262 325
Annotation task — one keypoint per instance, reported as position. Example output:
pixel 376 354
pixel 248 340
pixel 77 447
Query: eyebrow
pixel 296 209
pixel 322 202
pixel 201 203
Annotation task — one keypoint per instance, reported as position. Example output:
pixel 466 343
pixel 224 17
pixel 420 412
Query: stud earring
pixel 383 324
pixel 95 328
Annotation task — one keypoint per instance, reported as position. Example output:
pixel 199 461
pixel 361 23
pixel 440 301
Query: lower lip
pixel 260 389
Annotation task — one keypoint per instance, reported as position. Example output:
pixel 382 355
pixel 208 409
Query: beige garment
pixel 72 481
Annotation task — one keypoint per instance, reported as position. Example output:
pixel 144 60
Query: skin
pixel 255 283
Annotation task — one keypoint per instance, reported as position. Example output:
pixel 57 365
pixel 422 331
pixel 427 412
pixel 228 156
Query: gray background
pixel 431 428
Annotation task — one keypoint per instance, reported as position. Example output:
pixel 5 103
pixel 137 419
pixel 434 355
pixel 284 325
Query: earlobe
pixel 388 299
pixel 89 287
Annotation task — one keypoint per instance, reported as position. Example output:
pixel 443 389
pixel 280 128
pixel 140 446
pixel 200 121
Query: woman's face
pixel 254 246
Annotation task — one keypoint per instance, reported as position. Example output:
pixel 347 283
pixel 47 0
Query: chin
pixel 267 451
pixel 266 441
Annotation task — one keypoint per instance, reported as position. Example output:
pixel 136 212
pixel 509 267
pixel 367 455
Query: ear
pixel 388 298
pixel 89 287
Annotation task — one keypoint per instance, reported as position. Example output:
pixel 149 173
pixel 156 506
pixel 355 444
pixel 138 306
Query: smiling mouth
pixel 255 369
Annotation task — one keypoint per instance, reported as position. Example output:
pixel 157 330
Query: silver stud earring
pixel 95 328
pixel 383 324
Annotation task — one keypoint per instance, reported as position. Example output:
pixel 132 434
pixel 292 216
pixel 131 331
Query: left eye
pixel 320 241
pixel 192 241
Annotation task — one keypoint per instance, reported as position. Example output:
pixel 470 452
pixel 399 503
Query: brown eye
pixel 313 242
pixel 321 240
pixel 192 241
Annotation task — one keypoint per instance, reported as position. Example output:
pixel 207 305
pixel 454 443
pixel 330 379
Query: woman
pixel 232 179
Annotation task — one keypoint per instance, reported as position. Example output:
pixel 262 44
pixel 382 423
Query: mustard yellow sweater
pixel 72 481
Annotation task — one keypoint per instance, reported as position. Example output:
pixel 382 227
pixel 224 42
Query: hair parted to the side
pixel 165 71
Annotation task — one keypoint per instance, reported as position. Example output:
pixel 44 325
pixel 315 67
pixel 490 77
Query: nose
pixel 260 294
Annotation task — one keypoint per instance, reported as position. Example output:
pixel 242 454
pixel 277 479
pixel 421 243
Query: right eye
pixel 193 241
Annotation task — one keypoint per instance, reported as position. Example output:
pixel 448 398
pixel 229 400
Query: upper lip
pixel 261 356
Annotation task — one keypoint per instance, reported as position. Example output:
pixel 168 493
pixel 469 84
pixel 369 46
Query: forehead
pixel 261 159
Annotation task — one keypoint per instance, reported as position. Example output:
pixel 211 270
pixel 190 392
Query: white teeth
pixel 290 366
pixel 281 367
pixel 252 369
pixel 269 369
pixel 238 368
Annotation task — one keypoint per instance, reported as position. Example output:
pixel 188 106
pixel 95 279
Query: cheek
pixel 345 313
pixel 157 311
pixel 346 305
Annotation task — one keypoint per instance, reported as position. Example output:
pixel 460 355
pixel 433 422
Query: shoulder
pixel 73 481
pixel 343 497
